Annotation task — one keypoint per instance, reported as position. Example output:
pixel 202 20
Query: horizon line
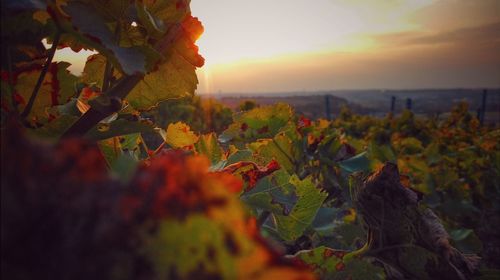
pixel 350 90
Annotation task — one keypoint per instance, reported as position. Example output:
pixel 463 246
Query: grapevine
pixel 123 173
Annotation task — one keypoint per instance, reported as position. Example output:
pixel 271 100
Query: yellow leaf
pixel 179 135
pixel 322 123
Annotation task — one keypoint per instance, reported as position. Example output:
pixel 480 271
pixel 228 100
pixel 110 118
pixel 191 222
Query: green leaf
pixel 432 153
pixel 411 145
pixel 124 167
pixel 382 153
pixel 262 122
pixel 460 234
pixel 273 193
pixel 154 26
pixel 54 129
pixel 93 72
pixel 240 155
pixel 336 264
pixel 346 234
pixel 359 162
pixel 90 28
pixel 324 222
pixel 208 146
pixel 180 247
pixel 466 241
pixel 280 148
pixel 111 149
pixel 130 142
pixel 310 199
pixel 167 11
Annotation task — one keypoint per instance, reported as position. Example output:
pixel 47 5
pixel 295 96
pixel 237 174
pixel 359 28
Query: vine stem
pixel 45 69
pixel 159 148
pixel 263 217
pixel 108 70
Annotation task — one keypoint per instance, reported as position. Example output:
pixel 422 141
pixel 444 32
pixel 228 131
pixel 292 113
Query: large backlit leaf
pixel 93 72
pixel 90 27
pixel 173 79
pixel 57 88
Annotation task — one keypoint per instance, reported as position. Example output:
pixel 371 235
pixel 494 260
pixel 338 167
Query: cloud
pixel 484 34
pixel 404 44
pixel 455 14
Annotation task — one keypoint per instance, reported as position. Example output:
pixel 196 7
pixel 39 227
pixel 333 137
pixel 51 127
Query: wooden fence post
pixel 483 107
pixel 393 103
pixel 408 103
pixel 327 107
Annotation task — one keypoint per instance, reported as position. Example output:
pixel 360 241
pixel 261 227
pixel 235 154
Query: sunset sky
pixel 255 46
pixel 295 45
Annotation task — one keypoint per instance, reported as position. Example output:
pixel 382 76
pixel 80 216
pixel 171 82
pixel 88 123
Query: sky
pixel 259 46
pixel 309 45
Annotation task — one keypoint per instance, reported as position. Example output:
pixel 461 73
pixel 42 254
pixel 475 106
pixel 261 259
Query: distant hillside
pixel 423 101
pixel 374 102
pixel 313 106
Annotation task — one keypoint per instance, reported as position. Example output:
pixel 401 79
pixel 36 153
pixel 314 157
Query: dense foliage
pixel 258 194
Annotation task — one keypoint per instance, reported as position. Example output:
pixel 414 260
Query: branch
pixel 52 51
pixel 93 116
pixel 108 70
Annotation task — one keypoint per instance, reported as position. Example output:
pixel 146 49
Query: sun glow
pixel 241 37
pixel 238 30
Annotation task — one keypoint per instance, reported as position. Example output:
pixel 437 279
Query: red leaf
pixel 254 173
pixel 303 122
